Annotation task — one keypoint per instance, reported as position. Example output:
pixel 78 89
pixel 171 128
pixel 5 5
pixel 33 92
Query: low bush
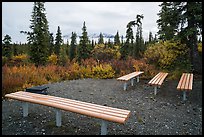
pixel 104 71
pixel 149 70
pixel 168 55
pixel 18 60
pixel 53 59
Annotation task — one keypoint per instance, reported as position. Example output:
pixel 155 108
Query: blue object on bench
pixel 38 89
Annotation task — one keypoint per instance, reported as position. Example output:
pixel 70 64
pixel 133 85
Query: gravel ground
pixel 163 114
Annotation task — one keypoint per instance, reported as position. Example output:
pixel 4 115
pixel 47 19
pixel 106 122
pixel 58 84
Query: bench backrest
pixel 89 109
pixel 186 82
pixel 158 79
pixel 131 75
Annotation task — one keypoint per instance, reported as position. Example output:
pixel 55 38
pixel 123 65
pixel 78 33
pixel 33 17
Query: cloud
pixel 106 17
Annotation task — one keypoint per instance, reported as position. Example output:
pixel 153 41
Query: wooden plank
pixel 153 79
pixel 186 86
pixel 162 78
pixel 158 79
pixel 191 82
pixel 180 82
pixel 71 108
pixel 184 82
pixel 126 77
pixel 129 76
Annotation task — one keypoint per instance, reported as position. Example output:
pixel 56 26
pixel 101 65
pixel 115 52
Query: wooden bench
pixel 185 83
pixel 131 77
pixel 157 81
pixel 89 109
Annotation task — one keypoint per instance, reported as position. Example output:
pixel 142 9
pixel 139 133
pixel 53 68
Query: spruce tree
pixel 84 47
pixel 141 41
pixel 15 51
pixel 185 19
pixel 117 39
pixel 92 44
pixel 63 55
pixel 166 24
pixel 73 45
pixel 150 37
pixel 6 46
pixel 58 41
pixel 110 44
pixel 52 45
pixel 100 39
pixel 137 44
pixel 127 47
pixel 38 38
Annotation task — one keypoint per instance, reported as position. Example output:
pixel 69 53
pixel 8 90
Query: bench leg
pixel 132 81
pixel 125 86
pixel 184 95
pixel 138 79
pixel 58 118
pixel 25 109
pixel 155 90
pixel 104 125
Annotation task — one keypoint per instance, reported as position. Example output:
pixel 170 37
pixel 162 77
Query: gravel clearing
pixel 163 114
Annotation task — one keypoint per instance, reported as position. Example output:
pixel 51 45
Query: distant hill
pixel 93 36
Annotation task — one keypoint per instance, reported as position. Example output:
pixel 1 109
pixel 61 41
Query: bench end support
pixel 104 125
pixel 184 95
pixel 132 82
pixel 138 79
pixel 125 86
pixel 25 109
pixel 58 118
pixel 155 90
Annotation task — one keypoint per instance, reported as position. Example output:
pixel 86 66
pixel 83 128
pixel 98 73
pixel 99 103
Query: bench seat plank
pixel 162 79
pixel 89 109
pixel 180 81
pixel 191 82
pixel 153 79
pixel 158 79
pixel 185 82
pixel 129 76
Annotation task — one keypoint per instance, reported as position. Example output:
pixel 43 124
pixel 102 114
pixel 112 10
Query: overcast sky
pixel 105 17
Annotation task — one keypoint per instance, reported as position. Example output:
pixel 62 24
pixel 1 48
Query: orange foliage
pixel 20 77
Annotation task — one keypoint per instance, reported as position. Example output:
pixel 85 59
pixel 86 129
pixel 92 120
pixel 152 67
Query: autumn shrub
pixel 27 85
pixel 104 53
pixel 12 80
pixel 53 59
pixel 74 71
pixel 167 55
pixel 63 73
pixel 122 67
pixel 21 59
pixel 86 72
pixel 90 62
pixel 149 70
pixel 4 60
pixel 49 73
pixel 19 77
pixel 104 71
